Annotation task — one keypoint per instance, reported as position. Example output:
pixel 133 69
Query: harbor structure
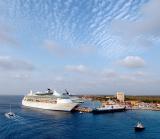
pixel 120 97
pixel 109 109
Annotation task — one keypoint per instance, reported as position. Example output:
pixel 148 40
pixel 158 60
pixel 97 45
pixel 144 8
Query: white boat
pixel 139 127
pixel 109 108
pixel 56 101
pixel 10 114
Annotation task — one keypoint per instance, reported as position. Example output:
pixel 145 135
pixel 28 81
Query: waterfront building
pixel 120 96
pixel 133 102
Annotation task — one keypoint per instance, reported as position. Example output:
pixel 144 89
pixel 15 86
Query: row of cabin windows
pixel 36 100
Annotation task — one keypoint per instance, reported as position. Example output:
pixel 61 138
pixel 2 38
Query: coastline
pixel 149 109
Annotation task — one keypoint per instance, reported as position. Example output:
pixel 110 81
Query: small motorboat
pixel 139 127
pixel 10 114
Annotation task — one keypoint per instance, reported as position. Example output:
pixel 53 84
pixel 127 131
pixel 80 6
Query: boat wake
pixel 18 118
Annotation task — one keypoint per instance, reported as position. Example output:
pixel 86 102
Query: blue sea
pixel 43 124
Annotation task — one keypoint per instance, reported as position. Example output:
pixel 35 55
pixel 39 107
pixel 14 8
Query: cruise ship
pixel 50 100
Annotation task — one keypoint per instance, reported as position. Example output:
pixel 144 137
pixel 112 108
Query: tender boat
pixel 109 109
pixel 10 114
pixel 139 127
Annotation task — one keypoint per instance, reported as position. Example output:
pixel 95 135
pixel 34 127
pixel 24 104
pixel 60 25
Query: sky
pixel 86 47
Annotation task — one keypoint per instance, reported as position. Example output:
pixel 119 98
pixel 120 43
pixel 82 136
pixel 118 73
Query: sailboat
pixel 10 114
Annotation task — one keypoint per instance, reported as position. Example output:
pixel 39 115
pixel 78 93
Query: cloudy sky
pixel 86 46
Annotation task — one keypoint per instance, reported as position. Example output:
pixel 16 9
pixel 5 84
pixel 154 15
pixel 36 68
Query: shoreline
pixel 149 109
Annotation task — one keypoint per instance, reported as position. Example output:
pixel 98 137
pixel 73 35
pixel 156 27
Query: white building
pixel 120 96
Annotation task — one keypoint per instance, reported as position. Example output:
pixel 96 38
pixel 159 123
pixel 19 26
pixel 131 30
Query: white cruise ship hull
pixel 50 106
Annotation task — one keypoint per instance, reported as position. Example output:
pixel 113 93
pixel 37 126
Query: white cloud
pixel 69 52
pixel 7 37
pixel 109 73
pixel 147 25
pixel 21 76
pixel 93 82
pixel 76 68
pixel 9 64
pixel 132 62
pixel 140 74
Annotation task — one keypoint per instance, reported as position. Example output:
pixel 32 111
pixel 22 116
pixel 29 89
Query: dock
pixel 83 109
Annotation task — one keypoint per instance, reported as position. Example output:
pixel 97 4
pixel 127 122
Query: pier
pixel 83 109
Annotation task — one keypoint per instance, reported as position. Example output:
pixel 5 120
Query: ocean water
pixel 43 124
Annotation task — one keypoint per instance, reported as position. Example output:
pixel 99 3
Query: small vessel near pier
pixel 109 109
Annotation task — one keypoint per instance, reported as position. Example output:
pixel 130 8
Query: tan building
pixel 134 102
pixel 120 96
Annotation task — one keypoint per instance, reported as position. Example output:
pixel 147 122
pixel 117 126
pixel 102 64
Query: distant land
pixel 145 98
pixel 141 98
